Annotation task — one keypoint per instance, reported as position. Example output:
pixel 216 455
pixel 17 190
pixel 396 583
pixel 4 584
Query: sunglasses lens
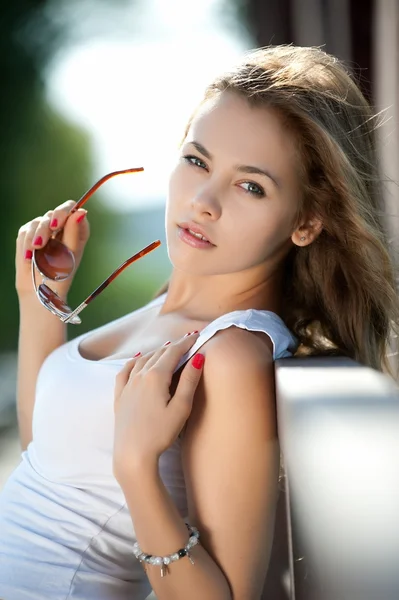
pixel 52 300
pixel 55 261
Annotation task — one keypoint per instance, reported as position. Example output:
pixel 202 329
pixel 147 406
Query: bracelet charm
pixel 164 561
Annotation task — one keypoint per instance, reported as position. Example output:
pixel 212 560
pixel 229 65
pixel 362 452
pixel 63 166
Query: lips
pixel 196 229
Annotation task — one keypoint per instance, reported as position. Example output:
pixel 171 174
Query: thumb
pixel 188 382
pixel 76 231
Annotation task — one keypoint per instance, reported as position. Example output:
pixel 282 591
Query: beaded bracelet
pixel 164 561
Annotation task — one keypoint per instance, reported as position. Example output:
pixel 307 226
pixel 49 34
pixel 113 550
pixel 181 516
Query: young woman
pixel 130 439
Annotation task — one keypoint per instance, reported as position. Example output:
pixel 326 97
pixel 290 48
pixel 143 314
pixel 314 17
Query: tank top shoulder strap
pixel 284 341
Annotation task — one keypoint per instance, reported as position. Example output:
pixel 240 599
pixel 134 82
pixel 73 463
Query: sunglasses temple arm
pixel 99 183
pixel 111 278
pixel 74 313
pixel 34 277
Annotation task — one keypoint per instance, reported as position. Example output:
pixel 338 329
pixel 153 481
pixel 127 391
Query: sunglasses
pixel 56 262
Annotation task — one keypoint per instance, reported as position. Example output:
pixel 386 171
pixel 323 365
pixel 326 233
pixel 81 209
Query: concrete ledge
pixel 339 434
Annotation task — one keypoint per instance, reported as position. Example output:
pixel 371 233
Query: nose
pixel 206 204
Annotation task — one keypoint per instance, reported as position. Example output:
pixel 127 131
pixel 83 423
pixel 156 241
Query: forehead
pixel 250 135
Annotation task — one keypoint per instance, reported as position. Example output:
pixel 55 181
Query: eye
pixel 190 158
pixel 255 189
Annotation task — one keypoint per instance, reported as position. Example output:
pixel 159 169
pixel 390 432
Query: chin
pixel 187 264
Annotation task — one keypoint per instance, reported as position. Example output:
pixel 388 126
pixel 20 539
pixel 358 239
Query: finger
pixel 130 368
pixel 42 234
pixel 20 243
pixel 40 230
pixel 188 382
pixel 141 363
pixel 61 213
pixel 123 376
pixel 30 234
pixel 76 230
pixel 172 354
pixel 75 226
pixel 155 356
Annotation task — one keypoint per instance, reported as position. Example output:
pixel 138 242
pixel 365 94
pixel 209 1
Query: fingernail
pixel 198 361
pixel 166 343
pixel 38 241
pixel 80 219
pixel 190 333
pixel 28 254
pixel 54 223
pixel 137 354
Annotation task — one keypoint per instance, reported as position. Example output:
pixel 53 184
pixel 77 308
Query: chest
pixel 140 333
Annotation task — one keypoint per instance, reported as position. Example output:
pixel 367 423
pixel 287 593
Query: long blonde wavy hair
pixel 340 296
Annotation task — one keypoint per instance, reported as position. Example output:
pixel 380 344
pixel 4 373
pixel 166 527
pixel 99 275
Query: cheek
pixel 262 235
pixel 177 182
pixel 173 195
pixel 171 186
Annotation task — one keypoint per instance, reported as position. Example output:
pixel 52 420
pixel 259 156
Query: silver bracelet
pixel 164 561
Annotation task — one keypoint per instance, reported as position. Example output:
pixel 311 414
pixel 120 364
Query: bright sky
pixel 133 93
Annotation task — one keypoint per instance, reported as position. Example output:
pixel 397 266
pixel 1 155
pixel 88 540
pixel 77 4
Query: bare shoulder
pixel 238 373
pixel 239 348
pixel 238 369
pixel 231 457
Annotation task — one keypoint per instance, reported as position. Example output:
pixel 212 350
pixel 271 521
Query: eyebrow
pixel 240 168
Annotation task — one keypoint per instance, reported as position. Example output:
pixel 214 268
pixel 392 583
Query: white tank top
pixel 65 529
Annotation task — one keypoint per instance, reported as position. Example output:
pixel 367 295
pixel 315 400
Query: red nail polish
pixel 38 241
pixel 198 361
pixel 166 343
pixel 54 223
pixel 80 219
pixel 28 254
pixel 190 333
pixel 137 354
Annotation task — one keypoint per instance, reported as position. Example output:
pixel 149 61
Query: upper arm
pixel 231 457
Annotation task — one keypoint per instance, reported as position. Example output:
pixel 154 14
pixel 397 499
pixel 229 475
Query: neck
pixel 208 298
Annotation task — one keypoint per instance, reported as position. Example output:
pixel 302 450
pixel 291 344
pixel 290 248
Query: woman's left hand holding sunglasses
pixel 36 233
pixel 148 419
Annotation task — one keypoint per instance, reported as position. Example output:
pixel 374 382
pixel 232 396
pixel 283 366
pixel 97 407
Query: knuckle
pixel 126 368
pixel 140 360
pixel 40 225
pixel 60 214
pixel 66 206
pixel 26 227
pixel 21 231
pixel 191 379
pixel 152 373
pixel 30 233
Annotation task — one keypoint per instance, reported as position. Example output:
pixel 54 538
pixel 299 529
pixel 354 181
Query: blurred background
pixel 91 86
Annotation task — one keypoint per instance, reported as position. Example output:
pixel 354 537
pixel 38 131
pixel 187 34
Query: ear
pixel 309 230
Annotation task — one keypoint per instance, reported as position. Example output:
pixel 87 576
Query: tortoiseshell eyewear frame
pixel 56 262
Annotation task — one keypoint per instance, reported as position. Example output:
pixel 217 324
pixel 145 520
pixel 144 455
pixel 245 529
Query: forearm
pixel 160 531
pixel 40 333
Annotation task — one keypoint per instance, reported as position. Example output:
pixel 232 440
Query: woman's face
pixel 247 216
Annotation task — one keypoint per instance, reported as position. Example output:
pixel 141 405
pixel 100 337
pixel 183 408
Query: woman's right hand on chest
pixel 36 233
